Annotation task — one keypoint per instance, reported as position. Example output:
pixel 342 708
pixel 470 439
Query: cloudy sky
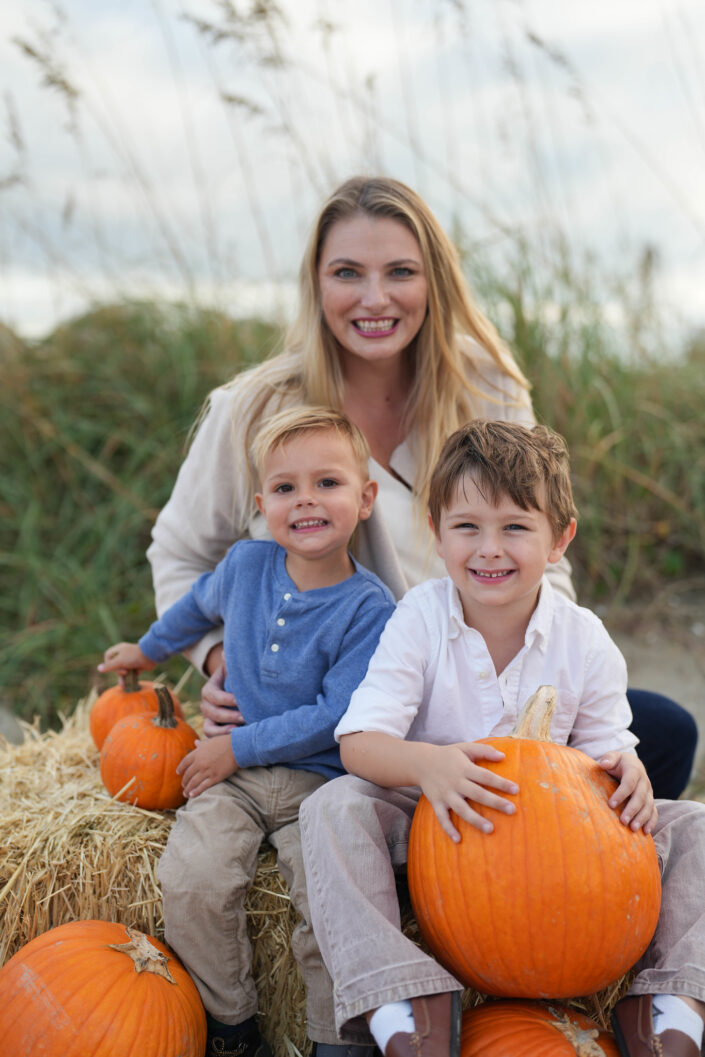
pixel 180 148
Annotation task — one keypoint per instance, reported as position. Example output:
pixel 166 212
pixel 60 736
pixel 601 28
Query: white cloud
pixel 609 145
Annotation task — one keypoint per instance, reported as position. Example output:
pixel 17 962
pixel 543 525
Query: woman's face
pixel 373 287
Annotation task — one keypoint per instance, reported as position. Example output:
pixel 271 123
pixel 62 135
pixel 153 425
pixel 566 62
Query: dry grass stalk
pixel 70 852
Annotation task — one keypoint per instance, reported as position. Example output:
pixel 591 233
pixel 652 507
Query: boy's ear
pixel 369 494
pixel 259 500
pixel 561 544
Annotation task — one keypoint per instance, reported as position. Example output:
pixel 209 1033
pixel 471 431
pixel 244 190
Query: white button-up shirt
pixel 432 679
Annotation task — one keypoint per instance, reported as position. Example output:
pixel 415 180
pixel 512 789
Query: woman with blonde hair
pixel 387 332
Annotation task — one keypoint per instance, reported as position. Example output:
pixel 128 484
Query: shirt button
pixel 281 622
pixel 483 675
pixel 274 647
pixel 287 596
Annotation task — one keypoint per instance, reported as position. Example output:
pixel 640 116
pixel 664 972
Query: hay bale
pixel 70 852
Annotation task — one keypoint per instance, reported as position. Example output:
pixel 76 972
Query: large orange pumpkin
pixel 119 701
pixel 144 750
pixel 532 1029
pixel 559 901
pixel 98 989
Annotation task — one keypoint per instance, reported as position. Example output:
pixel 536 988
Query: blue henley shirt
pixel 293 657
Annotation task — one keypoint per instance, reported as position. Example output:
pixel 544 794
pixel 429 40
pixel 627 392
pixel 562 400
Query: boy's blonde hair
pixel 529 465
pixel 296 421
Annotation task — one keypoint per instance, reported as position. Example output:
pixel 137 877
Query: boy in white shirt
pixel 456 662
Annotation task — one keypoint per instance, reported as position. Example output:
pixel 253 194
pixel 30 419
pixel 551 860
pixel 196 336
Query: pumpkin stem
pixel 535 719
pixel 583 1040
pixel 132 681
pixel 165 715
pixel 146 958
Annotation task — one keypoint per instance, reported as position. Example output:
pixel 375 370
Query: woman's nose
pixel 374 295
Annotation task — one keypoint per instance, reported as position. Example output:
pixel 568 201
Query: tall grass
pixel 94 423
pixel 607 375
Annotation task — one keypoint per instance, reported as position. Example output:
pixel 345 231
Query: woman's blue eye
pixel 402 272
pixel 346 273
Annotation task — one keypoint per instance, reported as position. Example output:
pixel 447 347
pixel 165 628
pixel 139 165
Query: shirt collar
pixel 456 624
pixel 539 626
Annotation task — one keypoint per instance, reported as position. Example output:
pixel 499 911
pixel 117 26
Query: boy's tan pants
pixel 355 839
pixel 205 873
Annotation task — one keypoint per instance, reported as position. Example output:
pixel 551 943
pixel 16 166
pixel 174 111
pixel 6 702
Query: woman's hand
pixel 218 707
pixel 634 790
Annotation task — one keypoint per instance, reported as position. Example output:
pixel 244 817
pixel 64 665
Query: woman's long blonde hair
pixel 442 396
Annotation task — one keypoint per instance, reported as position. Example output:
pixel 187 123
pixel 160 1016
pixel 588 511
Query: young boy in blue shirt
pixel 301 621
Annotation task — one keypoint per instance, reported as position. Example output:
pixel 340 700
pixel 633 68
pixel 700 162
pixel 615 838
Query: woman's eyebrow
pixel 358 264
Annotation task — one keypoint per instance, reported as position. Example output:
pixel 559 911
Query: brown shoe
pixel 634 1031
pixel 437 1023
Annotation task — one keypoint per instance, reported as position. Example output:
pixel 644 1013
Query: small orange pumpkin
pixel 144 750
pixel 532 1029
pixel 560 900
pixel 119 701
pixel 99 989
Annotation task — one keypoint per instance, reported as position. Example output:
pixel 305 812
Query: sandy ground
pixel 664 646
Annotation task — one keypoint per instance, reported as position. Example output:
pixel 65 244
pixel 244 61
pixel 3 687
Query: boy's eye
pixel 328 482
pixel 513 527
pixel 282 488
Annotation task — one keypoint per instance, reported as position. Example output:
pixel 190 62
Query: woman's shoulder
pixel 493 379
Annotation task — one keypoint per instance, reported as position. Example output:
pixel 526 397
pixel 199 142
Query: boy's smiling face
pixel 313 494
pixel 496 554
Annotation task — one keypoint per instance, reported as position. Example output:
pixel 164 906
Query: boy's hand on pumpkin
pixel 453 780
pixel 206 765
pixel 634 790
pixel 124 657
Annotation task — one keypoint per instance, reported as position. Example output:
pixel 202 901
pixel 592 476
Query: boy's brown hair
pixel 529 465
pixel 295 421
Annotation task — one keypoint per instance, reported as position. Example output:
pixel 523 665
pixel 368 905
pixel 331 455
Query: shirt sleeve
pixel 308 729
pixel 393 690
pixel 188 619
pixel 603 717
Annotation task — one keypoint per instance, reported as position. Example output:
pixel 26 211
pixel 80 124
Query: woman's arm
pixel 207 511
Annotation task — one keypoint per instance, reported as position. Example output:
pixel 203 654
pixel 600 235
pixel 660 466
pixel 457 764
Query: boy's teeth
pixel 309 523
pixel 372 325
pixel 491 576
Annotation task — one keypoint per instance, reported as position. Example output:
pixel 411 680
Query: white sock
pixel 389 1019
pixel 670 1011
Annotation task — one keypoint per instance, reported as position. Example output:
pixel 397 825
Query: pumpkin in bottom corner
pixel 99 989
pixel 515 1028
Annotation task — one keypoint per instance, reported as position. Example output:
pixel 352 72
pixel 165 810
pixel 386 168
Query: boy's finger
pixel 491 780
